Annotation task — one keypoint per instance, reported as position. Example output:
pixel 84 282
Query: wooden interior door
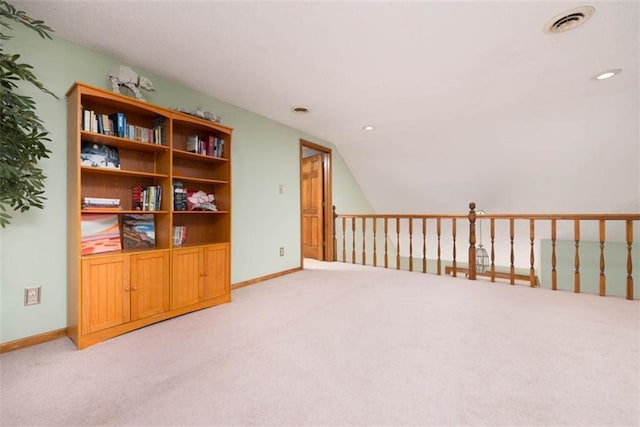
pixel 312 209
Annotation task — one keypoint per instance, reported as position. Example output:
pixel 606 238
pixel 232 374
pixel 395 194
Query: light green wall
pixel 265 155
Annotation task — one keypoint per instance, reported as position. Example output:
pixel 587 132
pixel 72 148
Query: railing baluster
pixel 603 279
pixel 453 234
pixel 375 253
pixel 576 228
pixel 410 244
pixel 629 264
pixel 335 242
pixel 353 241
pixel 386 239
pixel 554 274
pixel 424 245
pixel 472 241
pixel 532 273
pixel 438 233
pixel 344 239
pixel 398 243
pixel 493 250
pixel 512 270
pixel 364 240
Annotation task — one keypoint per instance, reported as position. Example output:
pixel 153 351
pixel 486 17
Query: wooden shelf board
pixel 121 172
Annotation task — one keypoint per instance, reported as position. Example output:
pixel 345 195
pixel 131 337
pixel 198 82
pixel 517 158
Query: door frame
pixel 327 210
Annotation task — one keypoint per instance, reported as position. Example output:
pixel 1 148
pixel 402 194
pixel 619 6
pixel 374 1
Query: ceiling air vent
pixel 300 110
pixel 569 20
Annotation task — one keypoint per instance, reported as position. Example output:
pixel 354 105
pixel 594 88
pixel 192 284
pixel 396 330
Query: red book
pixel 136 198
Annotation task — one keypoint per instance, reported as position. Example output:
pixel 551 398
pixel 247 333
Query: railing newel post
pixel 472 241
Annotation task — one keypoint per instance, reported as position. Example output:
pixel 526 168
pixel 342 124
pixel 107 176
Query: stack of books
pixel 100 203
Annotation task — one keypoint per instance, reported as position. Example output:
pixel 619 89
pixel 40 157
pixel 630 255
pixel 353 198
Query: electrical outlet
pixel 281 189
pixel 32 296
pixel 281 251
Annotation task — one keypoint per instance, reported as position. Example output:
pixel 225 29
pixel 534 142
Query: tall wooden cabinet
pixel 117 291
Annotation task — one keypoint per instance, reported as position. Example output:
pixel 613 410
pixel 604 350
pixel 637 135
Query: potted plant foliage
pixel 23 136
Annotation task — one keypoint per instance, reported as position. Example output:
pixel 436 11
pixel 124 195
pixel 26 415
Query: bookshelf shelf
pixel 115 141
pixel 200 180
pixel 197 157
pixel 200 212
pixel 121 172
pixel 132 271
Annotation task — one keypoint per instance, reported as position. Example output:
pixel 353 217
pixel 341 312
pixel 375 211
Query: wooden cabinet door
pixel 149 284
pixel 215 270
pixel 105 293
pixel 186 277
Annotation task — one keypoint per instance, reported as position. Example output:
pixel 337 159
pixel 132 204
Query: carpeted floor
pixel 338 344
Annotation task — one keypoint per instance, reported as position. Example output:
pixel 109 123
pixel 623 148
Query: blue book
pixel 119 123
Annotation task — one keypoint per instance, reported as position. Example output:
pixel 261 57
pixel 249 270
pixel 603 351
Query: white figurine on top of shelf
pixel 125 76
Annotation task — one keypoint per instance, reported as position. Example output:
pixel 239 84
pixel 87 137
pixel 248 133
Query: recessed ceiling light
pixel 569 20
pixel 368 127
pixel 300 110
pixel 606 74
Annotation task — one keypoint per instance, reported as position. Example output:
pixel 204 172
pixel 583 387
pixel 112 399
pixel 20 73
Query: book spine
pixel 136 198
pixel 86 120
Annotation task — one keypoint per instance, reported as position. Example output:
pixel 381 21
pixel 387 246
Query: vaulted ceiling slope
pixel 470 100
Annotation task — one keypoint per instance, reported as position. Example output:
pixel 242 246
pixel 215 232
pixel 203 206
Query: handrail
pixel 391 225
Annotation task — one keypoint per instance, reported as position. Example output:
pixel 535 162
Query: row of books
pixel 105 233
pixel 179 235
pixel 149 198
pixel 146 198
pixel 210 146
pixel 116 125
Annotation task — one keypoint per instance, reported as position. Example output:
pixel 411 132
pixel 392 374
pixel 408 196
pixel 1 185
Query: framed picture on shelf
pixel 99 233
pixel 138 231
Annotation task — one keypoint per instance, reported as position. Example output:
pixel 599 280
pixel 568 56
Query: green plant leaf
pixel 23 136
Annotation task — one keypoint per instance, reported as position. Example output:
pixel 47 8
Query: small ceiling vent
pixel 569 20
pixel 300 110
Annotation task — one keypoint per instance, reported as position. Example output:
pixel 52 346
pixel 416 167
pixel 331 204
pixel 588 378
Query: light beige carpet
pixel 338 344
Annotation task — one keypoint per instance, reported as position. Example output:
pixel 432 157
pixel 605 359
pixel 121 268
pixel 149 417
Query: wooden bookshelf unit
pixel 180 260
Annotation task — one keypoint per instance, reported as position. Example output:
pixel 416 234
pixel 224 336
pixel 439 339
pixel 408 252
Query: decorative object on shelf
pixel 23 137
pixel 482 258
pixel 207 115
pixel 198 200
pixel 125 76
pixel 99 155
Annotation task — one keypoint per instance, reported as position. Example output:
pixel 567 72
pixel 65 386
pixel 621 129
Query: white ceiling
pixel 470 100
